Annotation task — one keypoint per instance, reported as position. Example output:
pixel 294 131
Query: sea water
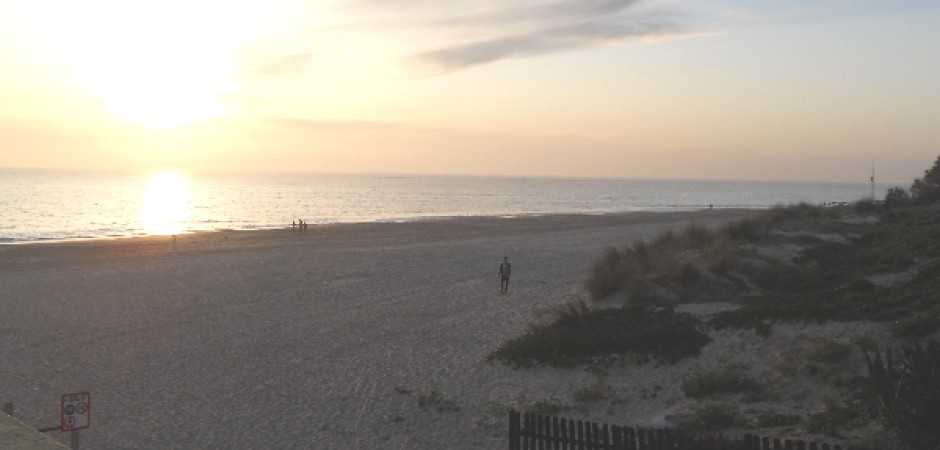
pixel 37 205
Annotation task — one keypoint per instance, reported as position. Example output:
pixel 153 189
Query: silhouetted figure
pixel 505 269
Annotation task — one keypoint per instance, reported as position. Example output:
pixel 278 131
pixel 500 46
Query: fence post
pixel 74 440
pixel 528 424
pixel 617 441
pixel 513 430
pixel 8 408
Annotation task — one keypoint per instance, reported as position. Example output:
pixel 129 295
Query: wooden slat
pixel 538 432
pixel 514 428
pixel 629 436
pixel 581 445
pixel 556 434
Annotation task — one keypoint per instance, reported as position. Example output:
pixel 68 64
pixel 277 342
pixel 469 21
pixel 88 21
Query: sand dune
pixel 275 339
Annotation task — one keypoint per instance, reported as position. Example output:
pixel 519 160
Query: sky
pixel 726 89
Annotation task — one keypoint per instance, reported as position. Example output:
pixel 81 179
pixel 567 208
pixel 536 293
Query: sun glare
pixel 166 204
pixel 156 63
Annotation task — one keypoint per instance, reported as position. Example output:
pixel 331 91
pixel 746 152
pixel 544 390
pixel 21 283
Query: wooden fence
pixel 537 432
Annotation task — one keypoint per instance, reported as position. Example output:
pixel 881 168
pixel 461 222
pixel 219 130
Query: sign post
pixel 76 414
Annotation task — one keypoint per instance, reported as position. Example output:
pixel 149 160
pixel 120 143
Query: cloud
pixel 517 31
pixel 542 41
pixel 440 37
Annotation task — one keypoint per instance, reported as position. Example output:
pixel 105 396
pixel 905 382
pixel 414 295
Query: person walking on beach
pixel 505 269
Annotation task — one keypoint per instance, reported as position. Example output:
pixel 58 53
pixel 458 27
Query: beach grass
pixel 583 338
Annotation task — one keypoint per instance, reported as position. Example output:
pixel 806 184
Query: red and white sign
pixel 76 411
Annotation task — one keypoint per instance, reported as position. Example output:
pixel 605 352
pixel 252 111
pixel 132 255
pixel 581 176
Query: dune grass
pixel 830 280
pixel 591 336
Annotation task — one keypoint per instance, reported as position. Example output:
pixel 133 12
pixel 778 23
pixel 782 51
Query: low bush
pixel 602 334
pixel 839 415
pixel 716 383
pixel 826 357
pixel 715 417
pixel 591 393
pixel 918 325
pixel 772 419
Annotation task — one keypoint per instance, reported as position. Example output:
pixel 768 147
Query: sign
pixel 76 411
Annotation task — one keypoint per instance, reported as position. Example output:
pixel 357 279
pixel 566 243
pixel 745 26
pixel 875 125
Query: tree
pixel 927 189
pixel 897 197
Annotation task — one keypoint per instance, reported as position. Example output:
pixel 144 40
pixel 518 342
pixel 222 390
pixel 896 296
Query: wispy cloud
pixel 464 33
pixel 547 40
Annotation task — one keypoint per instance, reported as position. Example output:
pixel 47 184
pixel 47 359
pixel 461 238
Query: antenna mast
pixel 872 180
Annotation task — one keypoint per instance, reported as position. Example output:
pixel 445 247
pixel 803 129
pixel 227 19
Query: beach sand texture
pixel 275 339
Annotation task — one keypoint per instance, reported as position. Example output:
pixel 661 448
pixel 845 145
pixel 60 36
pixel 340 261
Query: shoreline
pixel 331 235
pixel 401 220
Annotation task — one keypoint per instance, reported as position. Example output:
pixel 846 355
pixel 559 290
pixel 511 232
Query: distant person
pixel 505 269
pixel 293 225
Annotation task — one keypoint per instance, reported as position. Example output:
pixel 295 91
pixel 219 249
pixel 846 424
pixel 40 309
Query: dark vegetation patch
pixel 829 280
pixel 711 384
pixel 587 337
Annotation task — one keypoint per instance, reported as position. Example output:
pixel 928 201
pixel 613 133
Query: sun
pixel 166 204
pixel 157 63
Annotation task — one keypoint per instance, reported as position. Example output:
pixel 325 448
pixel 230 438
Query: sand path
pixel 275 339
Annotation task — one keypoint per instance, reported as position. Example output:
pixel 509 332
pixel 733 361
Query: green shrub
pixel 716 417
pixel 829 360
pixel 927 189
pixel 772 419
pixel 839 415
pixel 918 325
pixel 715 383
pixel 591 393
pixel 786 278
pixel 865 206
pixel 607 333
pixel 897 197
pixel 827 351
pixel 546 408
pixel 572 311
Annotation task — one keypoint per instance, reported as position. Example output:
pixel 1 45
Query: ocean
pixel 40 206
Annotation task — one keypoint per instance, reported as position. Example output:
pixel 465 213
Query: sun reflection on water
pixel 166 204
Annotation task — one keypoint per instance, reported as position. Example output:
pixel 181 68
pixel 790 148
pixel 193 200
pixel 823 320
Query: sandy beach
pixel 357 336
